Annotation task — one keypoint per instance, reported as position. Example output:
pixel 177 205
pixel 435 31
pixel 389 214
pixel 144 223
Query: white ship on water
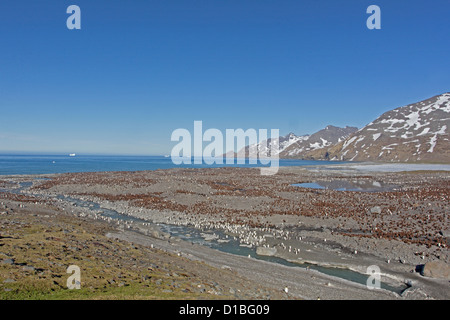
pixel 72 154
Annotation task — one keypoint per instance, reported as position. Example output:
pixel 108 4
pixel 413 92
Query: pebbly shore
pixel 399 227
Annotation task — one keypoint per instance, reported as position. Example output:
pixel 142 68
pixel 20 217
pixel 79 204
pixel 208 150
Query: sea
pixel 11 164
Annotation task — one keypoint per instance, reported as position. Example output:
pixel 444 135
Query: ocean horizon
pixel 14 164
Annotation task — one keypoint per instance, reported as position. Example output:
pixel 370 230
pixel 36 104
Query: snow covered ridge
pixel 326 137
pixel 261 148
pixel 284 142
pixel 293 146
pixel 417 132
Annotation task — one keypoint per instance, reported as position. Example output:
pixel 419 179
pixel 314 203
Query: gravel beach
pixel 397 221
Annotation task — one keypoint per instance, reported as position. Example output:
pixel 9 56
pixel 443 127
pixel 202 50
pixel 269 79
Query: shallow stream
pixel 215 239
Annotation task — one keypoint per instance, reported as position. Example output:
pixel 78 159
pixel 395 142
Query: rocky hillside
pixel 293 146
pixel 418 132
pixel 317 141
pixel 251 151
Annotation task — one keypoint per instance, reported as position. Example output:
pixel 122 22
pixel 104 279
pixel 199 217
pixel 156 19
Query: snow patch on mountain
pixel 425 123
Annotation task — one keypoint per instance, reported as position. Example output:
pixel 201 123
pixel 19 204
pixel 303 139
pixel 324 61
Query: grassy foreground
pixel 37 247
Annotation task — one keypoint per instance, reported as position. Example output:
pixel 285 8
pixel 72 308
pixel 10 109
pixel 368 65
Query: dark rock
pixel 419 268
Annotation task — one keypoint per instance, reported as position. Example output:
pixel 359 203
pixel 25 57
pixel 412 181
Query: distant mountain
pixel 418 132
pixel 319 140
pixel 251 151
pixel 293 146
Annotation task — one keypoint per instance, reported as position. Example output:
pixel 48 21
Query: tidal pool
pixel 349 185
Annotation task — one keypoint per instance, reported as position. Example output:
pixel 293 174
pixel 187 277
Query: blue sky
pixel 137 70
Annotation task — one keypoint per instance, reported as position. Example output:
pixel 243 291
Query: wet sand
pixel 396 228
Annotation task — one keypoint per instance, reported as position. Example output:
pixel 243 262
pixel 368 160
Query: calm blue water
pixel 309 185
pixel 314 185
pixel 44 164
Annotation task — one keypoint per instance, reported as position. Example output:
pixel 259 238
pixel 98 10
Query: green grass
pixel 134 291
pixel 110 269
